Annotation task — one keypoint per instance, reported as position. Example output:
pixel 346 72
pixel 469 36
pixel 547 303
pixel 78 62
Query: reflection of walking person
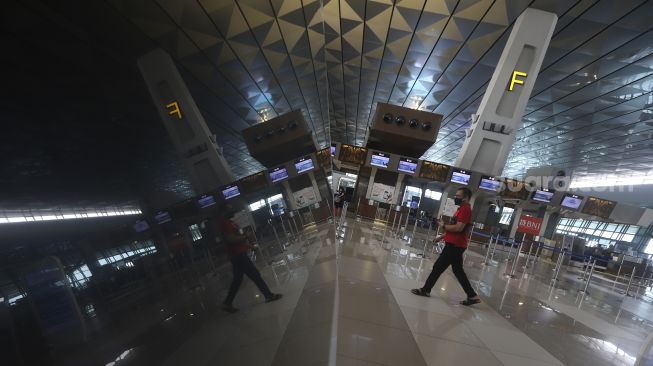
pixel 455 238
pixel 338 200
pixel 237 248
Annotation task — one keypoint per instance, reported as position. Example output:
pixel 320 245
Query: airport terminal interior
pixel 326 182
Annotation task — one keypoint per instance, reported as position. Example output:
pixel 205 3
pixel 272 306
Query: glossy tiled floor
pixel 348 302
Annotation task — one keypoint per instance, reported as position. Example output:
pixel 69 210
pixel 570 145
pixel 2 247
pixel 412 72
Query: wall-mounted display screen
pixel 489 183
pixel 598 207
pixel 278 174
pixel 514 189
pixel 230 191
pixel 333 149
pixel 434 171
pixel 407 165
pixel 572 201
pixel 162 217
pixel 140 226
pixel 253 183
pixel 304 164
pixel 460 176
pixel 352 154
pixel 324 158
pixel 543 195
pixel 206 201
pixel 380 159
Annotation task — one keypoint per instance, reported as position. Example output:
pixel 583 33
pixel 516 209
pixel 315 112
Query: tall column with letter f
pixel 189 133
pixel 489 139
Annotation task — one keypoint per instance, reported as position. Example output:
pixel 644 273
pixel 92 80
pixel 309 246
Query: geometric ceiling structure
pixel 79 114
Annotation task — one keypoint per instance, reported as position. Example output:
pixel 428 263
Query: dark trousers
pixel 242 265
pixel 451 255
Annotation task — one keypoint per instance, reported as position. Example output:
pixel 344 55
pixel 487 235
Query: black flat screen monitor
pixel 489 183
pixel 434 171
pixel 278 174
pixel 230 191
pixel 206 201
pixel 380 159
pixel 572 201
pixel 543 195
pixel 460 176
pixel 407 165
pixel 140 226
pixel 162 217
pixel 304 164
pixel 598 207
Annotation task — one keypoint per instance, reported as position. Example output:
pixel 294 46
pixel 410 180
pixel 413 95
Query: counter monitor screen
pixel 278 174
pixel 571 201
pixel 352 154
pixel 230 191
pixel 206 201
pixel 140 226
pixel 304 164
pixel 598 207
pixel 460 176
pixel 543 195
pixel 333 150
pixel 407 165
pixel 434 171
pixel 380 159
pixel 489 183
pixel 162 217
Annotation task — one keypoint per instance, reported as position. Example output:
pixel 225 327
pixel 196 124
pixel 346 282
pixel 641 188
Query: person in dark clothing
pixel 237 248
pixel 456 239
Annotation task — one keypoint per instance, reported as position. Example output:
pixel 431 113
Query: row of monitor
pixel 440 172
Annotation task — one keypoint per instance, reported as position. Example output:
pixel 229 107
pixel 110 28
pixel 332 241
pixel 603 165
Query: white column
pixel 368 194
pixel 515 222
pixel 499 116
pixel 188 131
pixel 316 188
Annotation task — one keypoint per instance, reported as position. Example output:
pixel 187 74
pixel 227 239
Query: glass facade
pixel 597 232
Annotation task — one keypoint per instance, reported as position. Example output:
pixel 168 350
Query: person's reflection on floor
pixel 237 249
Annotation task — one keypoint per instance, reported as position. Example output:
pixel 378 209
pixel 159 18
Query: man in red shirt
pixel 237 248
pixel 455 237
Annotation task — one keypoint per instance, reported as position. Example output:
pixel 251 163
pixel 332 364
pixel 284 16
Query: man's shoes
pixel 469 301
pixel 229 308
pixel 274 297
pixel 420 292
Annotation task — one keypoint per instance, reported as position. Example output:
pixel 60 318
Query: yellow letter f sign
pixel 173 109
pixel 514 79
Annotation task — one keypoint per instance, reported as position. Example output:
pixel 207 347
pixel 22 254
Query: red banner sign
pixel 529 225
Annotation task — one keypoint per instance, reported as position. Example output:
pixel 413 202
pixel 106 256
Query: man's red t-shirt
pixel 463 214
pixel 228 228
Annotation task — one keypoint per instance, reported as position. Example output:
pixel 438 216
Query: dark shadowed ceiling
pixel 79 128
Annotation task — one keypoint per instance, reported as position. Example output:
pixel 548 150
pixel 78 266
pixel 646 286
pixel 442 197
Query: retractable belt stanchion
pixel 487 253
pixel 589 278
pixel 494 248
pixel 394 219
pixel 632 275
pixel 515 261
pixel 357 206
pixel 401 216
pixel 512 242
pixel 619 271
pixel 556 270
pixel 530 251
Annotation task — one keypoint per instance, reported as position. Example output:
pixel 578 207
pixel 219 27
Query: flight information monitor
pixel 434 171
pixel 206 201
pixel 489 183
pixel 598 207
pixel 333 150
pixel 162 217
pixel 572 201
pixel 407 165
pixel 460 176
pixel 380 159
pixel 304 164
pixel 543 195
pixel 140 226
pixel 278 174
pixel 230 191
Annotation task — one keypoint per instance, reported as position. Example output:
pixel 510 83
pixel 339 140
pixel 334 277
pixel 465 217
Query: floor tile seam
pixel 414 331
pixel 407 329
pixel 530 358
pixel 361 359
pixel 293 331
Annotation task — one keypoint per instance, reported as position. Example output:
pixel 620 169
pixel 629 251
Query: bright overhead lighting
pixel 33 215
pixel 611 180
